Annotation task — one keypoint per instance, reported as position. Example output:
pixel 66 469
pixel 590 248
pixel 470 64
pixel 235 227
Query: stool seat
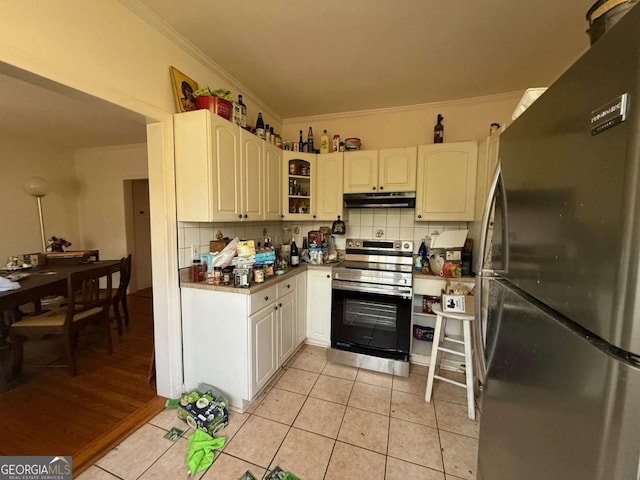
pixel 438 346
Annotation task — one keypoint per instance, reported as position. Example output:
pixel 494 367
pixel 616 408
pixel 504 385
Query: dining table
pixel 35 284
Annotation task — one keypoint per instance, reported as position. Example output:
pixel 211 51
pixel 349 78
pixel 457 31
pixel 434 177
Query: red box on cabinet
pixel 217 105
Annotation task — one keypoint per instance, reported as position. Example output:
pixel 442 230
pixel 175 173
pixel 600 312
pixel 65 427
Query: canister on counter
pixel 226 276
pixel 217 275
pixel 258 273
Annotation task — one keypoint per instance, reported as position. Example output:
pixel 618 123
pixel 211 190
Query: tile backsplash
pixel 386 223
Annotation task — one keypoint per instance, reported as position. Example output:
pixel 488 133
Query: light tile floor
pixel 320 421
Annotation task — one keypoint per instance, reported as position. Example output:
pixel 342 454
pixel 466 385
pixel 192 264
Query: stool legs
pixel 437 334
pixel 438 342
pixel 468 366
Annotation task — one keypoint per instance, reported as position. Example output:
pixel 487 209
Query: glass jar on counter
pixel 258 273
pixel 198 271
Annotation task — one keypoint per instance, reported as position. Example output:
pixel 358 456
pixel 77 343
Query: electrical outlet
pixel 195 251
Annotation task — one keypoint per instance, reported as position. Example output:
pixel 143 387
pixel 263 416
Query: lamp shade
pixel 36 186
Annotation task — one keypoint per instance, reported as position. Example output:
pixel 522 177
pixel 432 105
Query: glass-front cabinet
pixel 299 172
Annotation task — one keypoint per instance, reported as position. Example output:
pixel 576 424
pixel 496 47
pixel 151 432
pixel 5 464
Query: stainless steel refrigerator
pixel 560 290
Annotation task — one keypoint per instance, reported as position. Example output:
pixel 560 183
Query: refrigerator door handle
pixel 480 323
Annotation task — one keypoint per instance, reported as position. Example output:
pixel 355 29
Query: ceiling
pixel 308 58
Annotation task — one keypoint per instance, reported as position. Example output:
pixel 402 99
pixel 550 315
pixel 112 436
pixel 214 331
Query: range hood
pixel 380 200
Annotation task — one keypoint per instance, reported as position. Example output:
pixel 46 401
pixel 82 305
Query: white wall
pixel 467 119
pixel 101 174
pixel 19 160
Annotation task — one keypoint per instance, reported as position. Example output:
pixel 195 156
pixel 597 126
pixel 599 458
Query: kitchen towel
pixel 200 450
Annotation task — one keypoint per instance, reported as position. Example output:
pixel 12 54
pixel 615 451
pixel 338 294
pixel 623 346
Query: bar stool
pixel 438 342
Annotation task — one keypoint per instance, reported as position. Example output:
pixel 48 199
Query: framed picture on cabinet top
pixel 183 88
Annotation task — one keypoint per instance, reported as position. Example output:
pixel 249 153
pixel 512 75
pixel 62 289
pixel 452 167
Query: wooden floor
pixel 49 412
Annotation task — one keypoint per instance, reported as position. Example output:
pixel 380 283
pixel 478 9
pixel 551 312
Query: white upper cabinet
pixel 361 171
pixel 389 170
pixel 329 186
pixel 207 153
pixel 397 170
pixel 446 183
pixel 224 173
pixel 253 178
pixel 298 186
pixel 273 182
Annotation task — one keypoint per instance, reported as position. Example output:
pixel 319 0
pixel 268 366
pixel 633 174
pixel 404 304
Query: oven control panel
pixel 380 245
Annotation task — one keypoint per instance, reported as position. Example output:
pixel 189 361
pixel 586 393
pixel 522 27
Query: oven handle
pixel 388 290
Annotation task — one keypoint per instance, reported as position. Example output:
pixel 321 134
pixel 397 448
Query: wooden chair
pixel 119 295
pixel 85 306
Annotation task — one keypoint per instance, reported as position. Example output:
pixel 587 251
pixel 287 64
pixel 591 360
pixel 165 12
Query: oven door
pixel 371 319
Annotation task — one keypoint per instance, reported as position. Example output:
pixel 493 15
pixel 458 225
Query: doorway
pixel 138 232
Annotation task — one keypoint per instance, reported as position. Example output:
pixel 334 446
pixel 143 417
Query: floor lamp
pixel 38 187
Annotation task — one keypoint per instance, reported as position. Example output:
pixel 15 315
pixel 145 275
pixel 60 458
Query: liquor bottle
pixel 301 143
pixel 237 111
pixel 278 140
pixel 438 130
pixel 260 126
pixel 294 255
pixel 243 112
pixel 272 136
pixel 324 142
pixel 267 133
pixel 310 148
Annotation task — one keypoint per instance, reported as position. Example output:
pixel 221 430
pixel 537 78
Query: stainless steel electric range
pixel 371 306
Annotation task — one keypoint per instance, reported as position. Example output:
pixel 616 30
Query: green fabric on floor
pixel 200 450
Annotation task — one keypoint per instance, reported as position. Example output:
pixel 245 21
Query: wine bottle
pixel 301 143
pixel 243 112
pixel 237 111
pixel 324 142
pixel 310 148
pixel 267 133
pixel 260 126
pixel 294 255
pixel 438 130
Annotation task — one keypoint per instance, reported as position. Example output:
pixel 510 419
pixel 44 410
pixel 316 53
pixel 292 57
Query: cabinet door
pixel 225 146
pixel 287 306
pixel 263 349
pixel 298 173
pixel 361 171
pixel 301 314
pixel 397 170
pixel 252 177
pixel 446 181
pixel 194 166
pixel 329 173
pixel 273 180
pixel 319 306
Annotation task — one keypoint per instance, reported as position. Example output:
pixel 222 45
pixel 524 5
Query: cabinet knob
pixel 266 298
pixel 314 216
pixel 281 216
pixel 240 216
pixel 373 188
pixel 279 304
pixel 419 216
pixel 381 188
pixel 245 215
pixel 328 276
pixel 275 308
pixel 288 285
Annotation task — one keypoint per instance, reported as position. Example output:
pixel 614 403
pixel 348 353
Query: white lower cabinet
pixel 263 348
pixel 237 342
pixel 319 306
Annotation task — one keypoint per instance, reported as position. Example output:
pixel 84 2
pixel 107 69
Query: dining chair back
pixel 85 306
pixel 120 294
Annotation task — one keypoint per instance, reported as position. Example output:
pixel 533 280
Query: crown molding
pixel 402 109
pixel 161 26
